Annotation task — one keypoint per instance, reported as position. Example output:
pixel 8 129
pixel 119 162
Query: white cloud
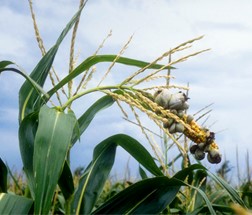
pixel 9 115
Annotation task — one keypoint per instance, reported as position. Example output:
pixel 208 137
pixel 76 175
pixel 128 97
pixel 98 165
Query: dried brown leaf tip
pixel 177 104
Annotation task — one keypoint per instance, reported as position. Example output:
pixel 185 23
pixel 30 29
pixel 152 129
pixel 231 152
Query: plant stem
pixel 113 87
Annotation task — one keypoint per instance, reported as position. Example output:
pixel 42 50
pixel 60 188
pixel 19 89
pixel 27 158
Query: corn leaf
pixel 181 175
pixel 230 190
pixel 200 181
pixel 30 99
pixel 36 87
pixel 66 182
pixel 92 182
pixel 149 196
pixel 27 132
pixel 142 173
pixel 3 177
pixel 13 204
pixel 204 196
pixel 90 61
pixel 5 63
pixel 96 174
pixel 133 147
pixel 52 142
pixel 217 208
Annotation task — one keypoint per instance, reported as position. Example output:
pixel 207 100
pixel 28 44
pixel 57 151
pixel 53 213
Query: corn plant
pixel 48 132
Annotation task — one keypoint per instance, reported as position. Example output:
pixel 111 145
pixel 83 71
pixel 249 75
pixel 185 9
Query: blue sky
pixel 222 76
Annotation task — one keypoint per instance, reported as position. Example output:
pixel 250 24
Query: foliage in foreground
pixel 47 134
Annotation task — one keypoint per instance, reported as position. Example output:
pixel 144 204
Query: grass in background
pixel 18 185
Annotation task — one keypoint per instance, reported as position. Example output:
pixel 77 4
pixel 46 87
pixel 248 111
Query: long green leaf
pixel 225 185
pixel 92 181
pixel 142 173
pixel 66 181
pixel 12 204
pixel 181 175
pixel 200 181
pixel 83 123
pixel 134 148
pixel 90 61
pixel 27 132
pixel 186 172
pixel 3 177
pixel 29 99
pixel 205 210
pixel 5 63
pixel 158 198
pixel 149 196
pixel 204 196
pixel 231 191
pixel 36 87
pixel 52 141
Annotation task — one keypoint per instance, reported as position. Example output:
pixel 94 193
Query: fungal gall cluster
pixel 177 104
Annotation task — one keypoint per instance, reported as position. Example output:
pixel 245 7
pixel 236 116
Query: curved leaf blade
pixel 36 87
pixel 95 176
pixel 142 173
pixel 5 63
pixel 221 208
pixel 157 201
pixel 92 182
pixel 134 148
pixel 29 99
pixel 52 141
pixel 13 204
pixel 90 61
pixel 26 134
pixel 200 181
pixel 149 196
pixel 231 191
pixel 204 196
pixel 182 174
pixel 66 181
